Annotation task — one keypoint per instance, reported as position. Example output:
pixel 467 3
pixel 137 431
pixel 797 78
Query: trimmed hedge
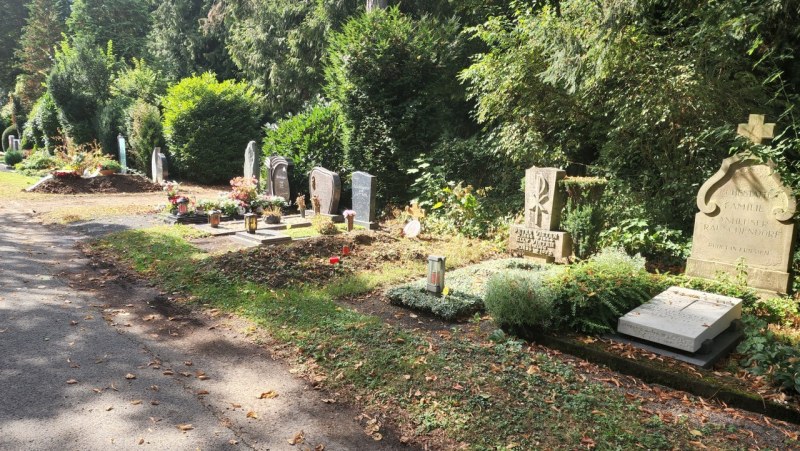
pixel 207 125
pixel 12 157
pixel 11 129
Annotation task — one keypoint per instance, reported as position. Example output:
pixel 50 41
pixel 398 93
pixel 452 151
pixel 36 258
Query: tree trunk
pixel 376 4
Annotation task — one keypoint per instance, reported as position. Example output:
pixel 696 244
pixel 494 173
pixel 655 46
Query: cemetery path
pixel 92 360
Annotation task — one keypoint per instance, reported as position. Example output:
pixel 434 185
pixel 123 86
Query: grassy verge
pixel 457 387
pixel 77 213
pixel 12 183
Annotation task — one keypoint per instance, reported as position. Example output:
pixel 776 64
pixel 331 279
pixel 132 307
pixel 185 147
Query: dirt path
pixel 90 363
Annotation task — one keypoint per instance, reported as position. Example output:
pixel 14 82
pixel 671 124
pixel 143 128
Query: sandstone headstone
pixel 539 235
pixel 745 218
pixel 364 189
pixel 251 164
pixel 681 318
pixel 327 186
pixel 278 177
pixel 157 166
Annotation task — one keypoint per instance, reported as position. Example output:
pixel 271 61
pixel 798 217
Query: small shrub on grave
pixel 582 216
pixel 766 355
pixel 324 225
pixel 454 305
pixel 664 246
pixel 13 157
pixel 10 130
pixel 520 298
pixel 592 295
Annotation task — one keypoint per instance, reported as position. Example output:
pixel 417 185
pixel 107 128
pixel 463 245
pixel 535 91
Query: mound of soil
pixel 309 260
pixel 116 183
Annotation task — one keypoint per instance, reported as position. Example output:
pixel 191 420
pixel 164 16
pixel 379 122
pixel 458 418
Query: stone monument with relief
pixel 539 236
pixel 745 220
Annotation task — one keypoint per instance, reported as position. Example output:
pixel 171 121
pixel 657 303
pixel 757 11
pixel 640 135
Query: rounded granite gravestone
pixel 278 177
pixel 327 187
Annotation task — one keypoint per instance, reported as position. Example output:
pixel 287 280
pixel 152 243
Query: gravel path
pixel 89 362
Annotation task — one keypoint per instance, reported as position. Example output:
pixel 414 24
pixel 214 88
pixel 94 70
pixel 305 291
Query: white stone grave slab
pixel 681 318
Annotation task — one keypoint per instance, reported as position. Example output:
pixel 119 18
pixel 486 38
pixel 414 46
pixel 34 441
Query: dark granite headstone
pixel 327 186
pixel 278 179
pixel 364 188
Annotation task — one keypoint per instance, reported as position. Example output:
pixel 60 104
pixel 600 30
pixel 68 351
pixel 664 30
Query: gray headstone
pixel 278 177
pixel 251 163
pixel 16 145
pixel 123 156
pixel 327 186
pixel 157 166
pixel 364 187
pixel 11 139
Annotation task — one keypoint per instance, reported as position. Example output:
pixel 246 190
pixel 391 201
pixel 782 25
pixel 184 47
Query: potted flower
pixel 109 166
pixel 229 207
pixel 204 205
pixel 349 215
pixel 272 206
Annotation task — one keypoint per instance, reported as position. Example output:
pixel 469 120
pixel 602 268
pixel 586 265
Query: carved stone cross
pixel 540 198
pixel 756 130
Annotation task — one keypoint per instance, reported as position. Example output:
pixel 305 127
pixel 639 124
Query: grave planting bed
pixel 309 260
pixel 115 183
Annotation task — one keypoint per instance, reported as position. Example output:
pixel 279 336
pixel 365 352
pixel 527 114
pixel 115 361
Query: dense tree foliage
pixel 125 22
pixel 12 19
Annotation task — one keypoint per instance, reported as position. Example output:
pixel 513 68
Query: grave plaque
pixel 157 166
pixel 364 187
pixel 681 318
pixel 745 218
pixel 539 235
pixel 327 186
pixel 278 177
pixel 251 164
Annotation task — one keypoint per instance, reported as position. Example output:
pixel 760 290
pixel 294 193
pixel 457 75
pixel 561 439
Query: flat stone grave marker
pixel 327 186
pixel 251 163
pixel 364 189
pixel 681 318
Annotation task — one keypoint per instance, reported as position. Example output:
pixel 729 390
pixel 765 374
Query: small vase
pixel 106 172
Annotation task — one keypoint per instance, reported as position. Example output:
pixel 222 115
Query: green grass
pixel 11 183
pixel 309 232
pixel 488 395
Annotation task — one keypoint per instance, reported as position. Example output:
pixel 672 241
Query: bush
pixel 43 123
pixel 38 163
pixel 311 138
pixel 10 130
pixel 13 157
pixel 520 298
pixel 582 216
pixel 324 225
pixel 659 244
pixel 207 125
pixel 146 133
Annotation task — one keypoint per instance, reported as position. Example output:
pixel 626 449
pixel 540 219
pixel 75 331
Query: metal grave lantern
pixel 250 222
pixel 435 274
pixel 183 207
pixel 214 217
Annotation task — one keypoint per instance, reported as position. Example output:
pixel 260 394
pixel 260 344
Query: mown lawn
pixel 452 386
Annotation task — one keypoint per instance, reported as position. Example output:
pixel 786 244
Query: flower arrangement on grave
pixel 272 207
pixel 108 164
pixel 178 203
pixel 205 205
pixel 65 173
pixel 349 215
pixel 244 191
pixel 229 207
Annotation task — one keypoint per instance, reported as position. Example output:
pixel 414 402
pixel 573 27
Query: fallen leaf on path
pixel 188 363
pixel 72 382
pixel 268 395
pixel 319 447
pixel 155 402
pixel 377 436
pixel 202 392
pixel 141 441
pixel 168 373
pixel 130 376
pixel 696 433
pixel 297 439
pixel 185 427
pixel 252 414
pixel 328 400
pixel 136 402
pixel 203 377
pixel 109 408
pixel 236 405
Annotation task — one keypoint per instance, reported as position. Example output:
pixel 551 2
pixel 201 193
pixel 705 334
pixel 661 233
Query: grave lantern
pixel 250 222
pixel 214 216
pixel 183 206
pixel 435 274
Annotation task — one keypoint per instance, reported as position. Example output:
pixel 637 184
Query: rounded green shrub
pixel 207 125
pixel 10 130
pixel 311 138
pixel 13 157
pixel 520 298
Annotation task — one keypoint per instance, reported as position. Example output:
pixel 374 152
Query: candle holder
pixel 214 217
pixel 435 274
pixel 250 222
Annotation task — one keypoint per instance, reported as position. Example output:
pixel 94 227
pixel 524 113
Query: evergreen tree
pixel 41 34
pixel 125 22
pixel 12 20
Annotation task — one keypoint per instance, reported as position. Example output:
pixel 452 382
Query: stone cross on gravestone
pixel 157 166
pixel 251 163
pixel 756 130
